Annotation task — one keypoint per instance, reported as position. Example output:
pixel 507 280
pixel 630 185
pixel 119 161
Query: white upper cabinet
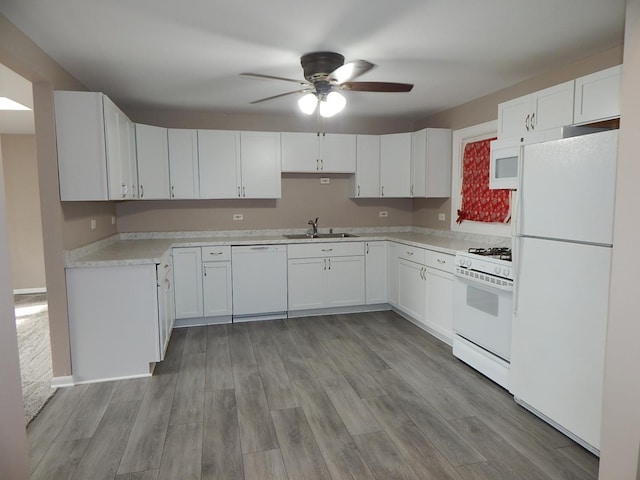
pixel 395 165
pixel 219 163
pixel 153 162
pixel 597 96
pixel 96 148
pixel 431 163
pixel 318 152
pixel 367 177
pixel 183 163
pixel 260 168
pixel 548 108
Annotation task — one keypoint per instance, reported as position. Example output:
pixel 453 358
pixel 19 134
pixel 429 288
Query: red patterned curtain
pixel 480 204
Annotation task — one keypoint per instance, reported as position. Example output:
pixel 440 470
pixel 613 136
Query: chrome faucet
pixel 315 227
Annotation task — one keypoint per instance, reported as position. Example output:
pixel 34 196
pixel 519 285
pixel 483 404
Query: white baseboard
pixel 24 291
pixel 62 382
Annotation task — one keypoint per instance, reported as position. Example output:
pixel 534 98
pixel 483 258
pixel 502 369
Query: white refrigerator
pixel 562 254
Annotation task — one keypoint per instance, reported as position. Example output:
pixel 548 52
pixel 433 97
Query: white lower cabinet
pixel 166 308
pixel 376 281
pixel 114 321
pixel 438 314
pixel 202 277
pixel 392 272
pixel 326 275
pixel 411 288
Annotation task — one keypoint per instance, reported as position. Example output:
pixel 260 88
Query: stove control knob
pixel 497 270
pixel 507 272
pixel 468 262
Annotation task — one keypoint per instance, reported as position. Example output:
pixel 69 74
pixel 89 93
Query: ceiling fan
pixel 325 75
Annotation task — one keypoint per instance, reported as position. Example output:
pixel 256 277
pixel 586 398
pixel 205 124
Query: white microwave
pixel 504 162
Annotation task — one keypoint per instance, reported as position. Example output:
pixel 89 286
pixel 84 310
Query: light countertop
pixel 125 250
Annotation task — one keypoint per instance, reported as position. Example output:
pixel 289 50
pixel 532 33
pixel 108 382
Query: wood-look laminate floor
pixel 361 396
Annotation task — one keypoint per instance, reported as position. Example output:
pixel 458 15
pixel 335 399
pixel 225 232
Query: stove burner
pixel 501 253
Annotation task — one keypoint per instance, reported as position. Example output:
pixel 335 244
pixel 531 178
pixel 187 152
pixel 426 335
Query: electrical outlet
pixel 441 217
pixel 93 224
pixel 238 216
pixel 383 213
pixel 113 219
pixel 325 181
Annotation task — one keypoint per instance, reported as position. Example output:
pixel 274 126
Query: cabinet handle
pixel 325 264
pixel 533 125
pixel 358 190
pixel 382 189
pixel 327 249
pixel 317 164
pixel 441 262
pixel 204 269
pixel 367 249
pixel 166 265
pixel 409 253
pixel 141 191
pixel 124 191
pixel 173 195
pixel 238 191
pixel 244 193
pixel 422 273
pixel 329 264
pixel 412 190
pixel 526 122
pixel 215 253
pixel 321 164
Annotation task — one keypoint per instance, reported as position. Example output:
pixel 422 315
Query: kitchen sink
pixel 319 235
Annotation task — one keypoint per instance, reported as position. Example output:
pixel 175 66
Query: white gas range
pixel 482 311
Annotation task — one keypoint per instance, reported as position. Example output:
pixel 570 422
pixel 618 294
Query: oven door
pixel 482 314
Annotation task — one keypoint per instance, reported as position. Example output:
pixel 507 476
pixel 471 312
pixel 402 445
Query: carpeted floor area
pixel 32 323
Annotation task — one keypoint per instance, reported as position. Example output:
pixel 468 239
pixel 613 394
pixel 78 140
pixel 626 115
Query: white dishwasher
pixel 259 275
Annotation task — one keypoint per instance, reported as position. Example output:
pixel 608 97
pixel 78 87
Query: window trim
pixel 460 138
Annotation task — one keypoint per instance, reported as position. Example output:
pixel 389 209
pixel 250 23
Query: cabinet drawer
pixel 333 249
pixel 216 254
pixel 413 254
pixel 439 260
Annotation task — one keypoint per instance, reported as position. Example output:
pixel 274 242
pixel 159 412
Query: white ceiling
pixel 188 54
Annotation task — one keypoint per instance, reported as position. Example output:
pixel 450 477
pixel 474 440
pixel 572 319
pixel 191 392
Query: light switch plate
pixel 441 217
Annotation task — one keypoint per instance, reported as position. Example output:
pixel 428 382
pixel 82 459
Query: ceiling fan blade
pixel 349 71
pixel 271 77
pixel 377 86
pixel 278 96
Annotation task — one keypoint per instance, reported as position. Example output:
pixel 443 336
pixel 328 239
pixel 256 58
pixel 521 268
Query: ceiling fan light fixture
pixel 333 103
pixel 308 103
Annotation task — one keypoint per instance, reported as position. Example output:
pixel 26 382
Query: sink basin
pixel 319 235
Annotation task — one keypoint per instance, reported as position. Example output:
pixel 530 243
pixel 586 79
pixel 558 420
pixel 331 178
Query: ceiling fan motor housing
pixel 318 65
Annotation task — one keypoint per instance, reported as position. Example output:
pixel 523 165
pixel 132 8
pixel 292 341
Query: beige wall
pixel 621 416
pixel 22 192
pixel 13 438
pixel 303 198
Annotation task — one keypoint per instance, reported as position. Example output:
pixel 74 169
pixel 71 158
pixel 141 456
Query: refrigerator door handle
pixel 516 273
pixel 520 194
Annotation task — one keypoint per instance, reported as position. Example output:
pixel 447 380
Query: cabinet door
pixel 307 283
pixel 187 281
pixel 81 146
pixel 439 302
pixel 337 153
pixel 411 289
pixel 367 177
pixel 431 163
pixel 345 281
pixel 219 163
pixel 514 117
pixel 261 164
pixel 376 278
pixel 153 162
pixel 216 288
pixel 300 152
pixel 395 165
pixel 392 263
pixel 597 96
pixel 116 138
pixel 553 107
pixel 183 163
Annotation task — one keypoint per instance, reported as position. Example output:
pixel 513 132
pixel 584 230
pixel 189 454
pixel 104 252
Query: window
pixel 461 138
